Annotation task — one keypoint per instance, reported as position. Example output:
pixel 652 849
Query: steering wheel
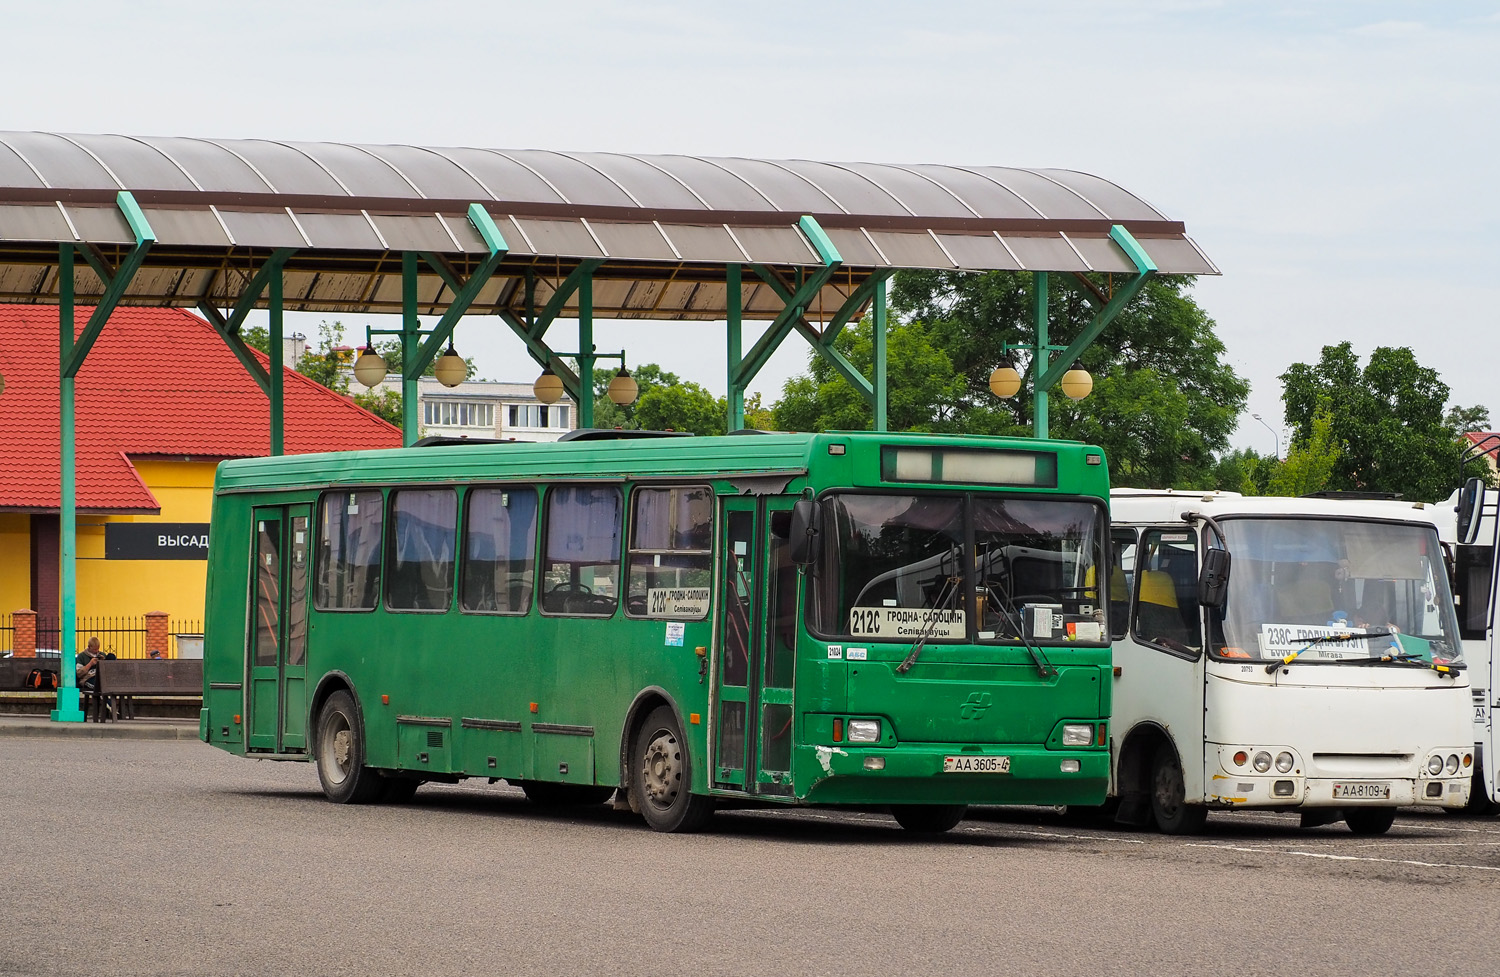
pixel 568 586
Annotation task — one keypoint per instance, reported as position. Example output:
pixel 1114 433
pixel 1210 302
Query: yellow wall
pixel 130 588
pixel 15 562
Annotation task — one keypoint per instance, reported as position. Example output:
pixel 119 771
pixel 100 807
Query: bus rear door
pixel 277 707
pixel 756 648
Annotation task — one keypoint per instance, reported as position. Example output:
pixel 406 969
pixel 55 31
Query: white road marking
pixel 1349 858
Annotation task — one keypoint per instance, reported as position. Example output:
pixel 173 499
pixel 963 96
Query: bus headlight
pixel 1434 765
pixel 1452 764
pixel 1262 762
pixel 864 731
pixel 1077 734
pixel 1284 762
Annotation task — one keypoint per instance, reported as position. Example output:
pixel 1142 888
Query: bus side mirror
pixel 805 537
pixel 1470 504
pixel 1213 581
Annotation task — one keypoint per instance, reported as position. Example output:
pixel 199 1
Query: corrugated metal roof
pixel 664 226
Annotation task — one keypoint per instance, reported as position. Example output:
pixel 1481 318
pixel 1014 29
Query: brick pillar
pixel 23 644
pixel 156 632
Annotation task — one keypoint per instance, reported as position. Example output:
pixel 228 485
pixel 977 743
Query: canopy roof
pixel 664 227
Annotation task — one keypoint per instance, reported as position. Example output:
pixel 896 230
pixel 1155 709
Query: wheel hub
pixel 660 775
pixel 341 741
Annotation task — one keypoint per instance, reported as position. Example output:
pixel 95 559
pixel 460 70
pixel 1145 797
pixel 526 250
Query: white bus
pixel 1471 540
pixel 1317 668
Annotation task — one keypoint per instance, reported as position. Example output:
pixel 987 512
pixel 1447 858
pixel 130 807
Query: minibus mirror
pixel 1213 581
pixel 1470 504
pixel 805 538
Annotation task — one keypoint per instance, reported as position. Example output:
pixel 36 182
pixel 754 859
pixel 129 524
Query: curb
pixel 130 729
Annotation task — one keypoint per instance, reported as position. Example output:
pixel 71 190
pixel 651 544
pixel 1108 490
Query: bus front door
pixel 277 707
pixel 757 627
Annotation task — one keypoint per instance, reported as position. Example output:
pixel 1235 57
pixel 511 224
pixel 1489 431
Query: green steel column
pixel 882 399
pixel 1039 360
pixel 277 389
pixel 733 297
pixel 586 351
pixel 411 327
pixel 67 710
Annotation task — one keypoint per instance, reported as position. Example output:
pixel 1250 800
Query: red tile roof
pixel 1488 441
pixel 157 382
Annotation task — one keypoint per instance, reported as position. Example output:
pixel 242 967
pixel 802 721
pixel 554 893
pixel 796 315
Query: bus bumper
pixel 913 774
pixel 1326 792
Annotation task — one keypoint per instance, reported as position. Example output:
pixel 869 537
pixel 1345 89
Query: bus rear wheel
pixel 1370 820
pixel 1174 815
pixel 661 776
pixel 341 754
pixel 929 819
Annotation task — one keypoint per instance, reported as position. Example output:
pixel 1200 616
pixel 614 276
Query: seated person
pixel 87 664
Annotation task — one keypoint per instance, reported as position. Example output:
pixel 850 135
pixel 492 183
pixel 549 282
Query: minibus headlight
pixel 1078 734
pixel 1452 764
pixel 1262 762
pixel 1434 765
pixel 864 731
pixel 1284 762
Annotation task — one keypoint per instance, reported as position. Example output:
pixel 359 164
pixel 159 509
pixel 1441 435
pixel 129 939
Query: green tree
pixel 682 406
pixel 921 383
pixel 384 404
pixel 1243 470
pixel 1164 401
pixel 1310 462
pixel 1388 419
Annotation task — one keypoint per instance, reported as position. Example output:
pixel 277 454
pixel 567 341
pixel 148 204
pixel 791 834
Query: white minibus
pixel 1282 654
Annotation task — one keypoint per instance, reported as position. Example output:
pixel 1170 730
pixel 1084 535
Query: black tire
pixel 398 790
pixel 661 778
pixel 1169 806
pixel 929 819
pixel 341 754
pixel 544 794
pixel 1370 820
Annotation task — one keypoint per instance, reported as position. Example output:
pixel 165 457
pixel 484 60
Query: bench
pixel 13 671
pixel 121 679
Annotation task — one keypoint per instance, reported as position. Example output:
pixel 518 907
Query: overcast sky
pixel 1336 159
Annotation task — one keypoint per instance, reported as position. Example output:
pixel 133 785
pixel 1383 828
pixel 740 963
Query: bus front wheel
pixel 929 819
pixel 1370 820
pixel 1174 815
pixel 661 776
pixel 341 754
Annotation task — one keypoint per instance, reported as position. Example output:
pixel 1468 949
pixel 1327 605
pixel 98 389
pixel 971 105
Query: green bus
pixel 898 621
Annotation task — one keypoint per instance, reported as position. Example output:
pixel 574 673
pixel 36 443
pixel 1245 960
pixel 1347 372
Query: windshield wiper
pixel 1043 666
pixel 945 599
pixel 1325 639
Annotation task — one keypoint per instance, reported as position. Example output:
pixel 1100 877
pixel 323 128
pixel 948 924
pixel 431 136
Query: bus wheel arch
pixel 330 683
pixel 657 768
pixel 646 701
pixel 1134 769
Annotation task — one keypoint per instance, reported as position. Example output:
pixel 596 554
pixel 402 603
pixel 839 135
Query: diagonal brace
pixel 114 285
pixel 465 294
pixel 542 353
pixel 1145 268
pixel 796 302
pixel 822 343
pixel 229 328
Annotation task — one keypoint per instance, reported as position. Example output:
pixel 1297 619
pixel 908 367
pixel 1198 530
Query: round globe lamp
pixel 1005 381
pixel 450 368
pixel 548 387
pixel 623 388
pixel 1076 384
pixel 369 369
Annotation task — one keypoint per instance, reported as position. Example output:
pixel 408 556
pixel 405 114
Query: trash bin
pixel 189 645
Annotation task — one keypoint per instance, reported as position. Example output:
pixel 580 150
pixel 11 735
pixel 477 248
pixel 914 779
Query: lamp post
pixel 1274 434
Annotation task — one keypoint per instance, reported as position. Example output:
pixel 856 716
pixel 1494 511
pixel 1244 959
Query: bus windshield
pixel 1377 589
pixel 896 569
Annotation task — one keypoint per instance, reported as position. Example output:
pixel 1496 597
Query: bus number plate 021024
pixel 1362 791
pixel 976 764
